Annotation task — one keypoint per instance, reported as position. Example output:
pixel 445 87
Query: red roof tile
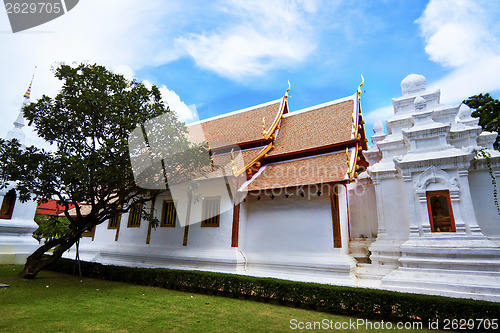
pixel 50 207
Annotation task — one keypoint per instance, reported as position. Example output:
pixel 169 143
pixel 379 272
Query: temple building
pixel 299 195
pixel 281 211
pixel 309 201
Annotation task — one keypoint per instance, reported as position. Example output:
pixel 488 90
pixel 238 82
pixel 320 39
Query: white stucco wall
pixel 168 237
pixel 362 210
pixel 104 235
pixel 283 225
pixel 393 211
pixel 206 237
pixel 16 241
pixel 482 199
pixel 24 212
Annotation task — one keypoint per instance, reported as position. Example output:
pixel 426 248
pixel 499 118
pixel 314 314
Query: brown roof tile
pixel 235 128
pixel 313 170
pixel 319 127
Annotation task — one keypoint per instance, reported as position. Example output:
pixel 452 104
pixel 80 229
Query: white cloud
pixel 462 35
pixel 124 35
pixel 257 36
pixel 468 80
pixel 124 70
pixel 184 112
pixel 127 35
pixel 382 114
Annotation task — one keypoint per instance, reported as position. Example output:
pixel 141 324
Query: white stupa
pixel 16 218
pixel 438 230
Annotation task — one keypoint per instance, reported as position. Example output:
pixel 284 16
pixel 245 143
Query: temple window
pixel 440 211
pixel 8 203
pixel 134 216
pixel 114 222
pixel 211 212
pixel 168 214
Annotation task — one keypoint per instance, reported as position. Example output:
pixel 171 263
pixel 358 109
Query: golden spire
pixel 234 168
pixel 28 92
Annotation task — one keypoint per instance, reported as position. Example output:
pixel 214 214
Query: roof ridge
pixel 235 112
pixel 319 106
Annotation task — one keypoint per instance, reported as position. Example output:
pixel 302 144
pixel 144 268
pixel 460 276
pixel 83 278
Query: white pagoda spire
pixel 17 132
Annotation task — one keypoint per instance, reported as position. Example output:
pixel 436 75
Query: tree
pixel 50 227
pixel 487 110
pixel 89 121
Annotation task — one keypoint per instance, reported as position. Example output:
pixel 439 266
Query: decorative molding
pixel 436 175
pixel 407 178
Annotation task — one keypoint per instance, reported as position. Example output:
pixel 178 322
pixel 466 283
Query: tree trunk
pixel 36 261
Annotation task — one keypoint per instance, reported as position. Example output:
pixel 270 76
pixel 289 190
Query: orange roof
pixel 51 207
pixel 323 125
pixel 236 127
pixel 312 170
pixel 321 133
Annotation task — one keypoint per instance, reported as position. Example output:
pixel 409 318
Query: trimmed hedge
pixel 361 302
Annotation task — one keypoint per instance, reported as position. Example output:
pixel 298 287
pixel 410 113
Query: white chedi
pixel 413 84
pixel 465 116
pixel 419 103
pixel 378 127
pixel 17 132
pixel 16 228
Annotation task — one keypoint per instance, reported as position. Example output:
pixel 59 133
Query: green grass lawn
pixel 55 302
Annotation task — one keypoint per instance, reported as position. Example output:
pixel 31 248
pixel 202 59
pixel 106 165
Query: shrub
pixel 370 303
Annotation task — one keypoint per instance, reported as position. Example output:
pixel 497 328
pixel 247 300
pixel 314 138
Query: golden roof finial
pixel 28 91
pixel 286 92
pixel 360 85
pixel 233 167
pixel 264 132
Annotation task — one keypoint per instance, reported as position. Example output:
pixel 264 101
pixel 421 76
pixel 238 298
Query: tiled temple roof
pixel 238 127
pixel 324 125
pixel 320 169
pixel 314 140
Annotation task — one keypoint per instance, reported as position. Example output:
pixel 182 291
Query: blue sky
pixel 215 57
